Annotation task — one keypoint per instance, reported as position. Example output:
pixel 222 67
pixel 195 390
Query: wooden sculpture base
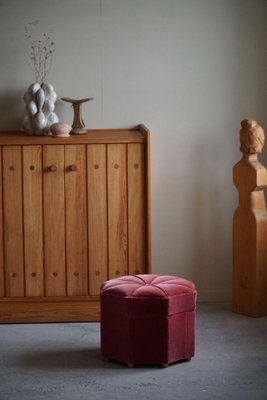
pixel 80 131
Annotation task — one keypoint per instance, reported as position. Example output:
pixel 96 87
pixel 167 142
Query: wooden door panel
pixel 76 217
pixel 33 220
pixel 54 220
pixel 97 215
pixel 117 210
pixel 136 208
pixel 13 229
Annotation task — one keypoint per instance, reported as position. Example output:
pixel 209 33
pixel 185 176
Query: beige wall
pixel 188 69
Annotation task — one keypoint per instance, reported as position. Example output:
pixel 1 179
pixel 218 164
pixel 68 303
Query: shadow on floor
pixel 66 359
pixel 82 358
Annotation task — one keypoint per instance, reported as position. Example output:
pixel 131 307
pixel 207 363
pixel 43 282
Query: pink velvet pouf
pixel 148 319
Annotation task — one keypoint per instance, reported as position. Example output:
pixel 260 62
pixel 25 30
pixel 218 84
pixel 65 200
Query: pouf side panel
pixel 181 337
pixel 148 340
pixel 147 307
pixel 152 306
pixel 182 302
pixel 113 305
pixel 114 328
pixel 115 338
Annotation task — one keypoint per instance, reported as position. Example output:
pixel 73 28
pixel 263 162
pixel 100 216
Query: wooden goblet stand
pixel 78 126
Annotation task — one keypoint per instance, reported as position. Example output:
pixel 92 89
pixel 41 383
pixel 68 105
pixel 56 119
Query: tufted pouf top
pixel 150 294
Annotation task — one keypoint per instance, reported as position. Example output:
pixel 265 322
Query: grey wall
pixel 190 70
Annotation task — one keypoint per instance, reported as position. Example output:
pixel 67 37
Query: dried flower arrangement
pixel 41 52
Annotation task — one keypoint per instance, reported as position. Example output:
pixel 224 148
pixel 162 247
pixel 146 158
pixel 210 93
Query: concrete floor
pixel 63 362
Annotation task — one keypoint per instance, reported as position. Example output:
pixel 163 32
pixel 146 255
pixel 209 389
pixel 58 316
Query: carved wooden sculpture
pixel 250 226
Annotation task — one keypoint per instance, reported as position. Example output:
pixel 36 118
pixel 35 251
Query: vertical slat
pixel 13 230
pixel 33 220
pixel 148 200
pixel 2 279
pixel 97 213
pixel 117 210
pixel 54 220
pixel 76 217
pixel 136 208
pixel 147 174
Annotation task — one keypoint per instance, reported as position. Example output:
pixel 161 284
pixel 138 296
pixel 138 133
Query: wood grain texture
pixel 250 229
pixel 33 220
pixel 97 216
pixel 92 137
pixel 76 217
pixel 50 311
pixel 2 274
pixel 117 210
pixel 13 229
pixel 136 209
pixel 145 132
pixel 148 220
pixel 54 220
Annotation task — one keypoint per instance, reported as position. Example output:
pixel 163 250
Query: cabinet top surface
pixel 136 135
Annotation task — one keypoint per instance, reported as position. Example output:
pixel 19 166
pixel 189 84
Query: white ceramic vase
pixel 40 104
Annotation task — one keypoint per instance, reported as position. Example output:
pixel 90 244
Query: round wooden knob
pixel 73 167
pixel 52 168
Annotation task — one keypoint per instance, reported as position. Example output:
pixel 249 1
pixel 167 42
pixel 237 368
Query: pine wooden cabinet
pixel 74 212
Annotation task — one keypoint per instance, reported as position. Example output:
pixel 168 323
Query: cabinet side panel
pixel 13 230
pixel 76 217
pixel 117 210
pixel 2 279
pixel 33 220
pixel 97 215
pixel 136 208
pixel 54 220
pixel 148 205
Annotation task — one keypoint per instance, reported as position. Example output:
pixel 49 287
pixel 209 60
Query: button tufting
pixel 148 285
pixel 163 295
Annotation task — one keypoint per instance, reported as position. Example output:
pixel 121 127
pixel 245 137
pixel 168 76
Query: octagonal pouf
pixel 148 319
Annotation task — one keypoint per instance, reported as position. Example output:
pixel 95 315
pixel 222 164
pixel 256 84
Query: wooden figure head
pixel 251 137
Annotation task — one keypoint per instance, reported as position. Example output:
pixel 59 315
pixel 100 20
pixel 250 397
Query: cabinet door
pixel 117 210
pixel 54 220
pixel 33 220
pixel 76 220
pixel 13 229
pixel 136 208
pixel 97 215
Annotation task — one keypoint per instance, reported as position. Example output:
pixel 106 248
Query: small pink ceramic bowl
pixel 60 129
